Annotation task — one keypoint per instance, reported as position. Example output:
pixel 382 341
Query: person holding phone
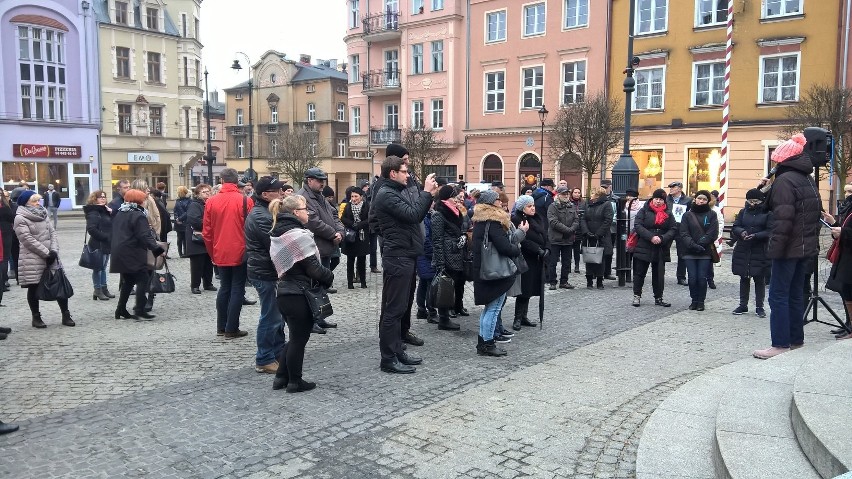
pixel 749 261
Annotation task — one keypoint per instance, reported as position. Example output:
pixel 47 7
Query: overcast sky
pixel 314 27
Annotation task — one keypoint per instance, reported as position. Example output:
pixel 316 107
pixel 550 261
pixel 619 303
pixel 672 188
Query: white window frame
pixel 779 56
pixel 416 59
pixel 152 22
pixel 155 124
pixel 341 147
pixel 764 8
pixel 312 112
pixel 240 117
pixel 437 55
pixel 574 83
pixel 354 68
pixel 388 115
pixel 577 19
pixel 273 147
pixel 437 113
pixel 525 12
pixel 418 115
pixel 354 14
pixel 437 5
pixel 273 115
pixel 211 133
pixel 241 148
pixel 655 4
pixel 127 15
pixel 119 61
pixel 355 117
pixel 533 88
pixel 710 91
pixel 663 94
pixel 417 6
pixel 128 120
pixel 497 92
pixel 341 111
pixel 500 20
pixel 391 78
pixel 713 13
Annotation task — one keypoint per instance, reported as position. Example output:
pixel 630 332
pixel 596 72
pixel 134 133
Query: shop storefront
pixel 67 167
pixel 143 165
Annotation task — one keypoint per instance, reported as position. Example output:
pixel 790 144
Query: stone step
pixel 822 393
pixel 754 436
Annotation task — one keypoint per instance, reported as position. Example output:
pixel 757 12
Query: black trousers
pixel 351 263
pixel 374 245
pixel 658 276
pixel 297 314
pixel 398 280
pixel 458 291
pixel 181 239
pixel 681 264
pixel 576 250
pixel 140 279
pixel 32 300
pixel 200 268
pixel 759 290
pixel 4 276
pixel 557 251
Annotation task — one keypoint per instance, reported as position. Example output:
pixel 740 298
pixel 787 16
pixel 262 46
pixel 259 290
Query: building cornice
pixel 778 42
pixel 707 48
pixel 432 21
pixel 142 31
pixel 653 54
pixel 572 51
pixel 534 56
pixel 498 61
pixel 517 130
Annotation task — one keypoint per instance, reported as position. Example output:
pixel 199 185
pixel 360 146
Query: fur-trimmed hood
pixel 484 212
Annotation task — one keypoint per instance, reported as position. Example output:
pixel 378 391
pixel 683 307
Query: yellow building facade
pixel 781 49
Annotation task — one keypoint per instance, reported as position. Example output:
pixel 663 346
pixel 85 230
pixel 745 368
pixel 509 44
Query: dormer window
pixel 121 13
pixel 152 19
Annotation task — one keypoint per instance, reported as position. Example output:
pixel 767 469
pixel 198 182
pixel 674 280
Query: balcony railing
pixel 381 23
pixel 381 81
pixel 385 135
pixel 238 130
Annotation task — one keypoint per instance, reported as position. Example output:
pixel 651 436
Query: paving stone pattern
pixel 167 398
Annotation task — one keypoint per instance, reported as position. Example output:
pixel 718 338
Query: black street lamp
pixel 209 158
pixel 625 172
pixel 250 174
pixel 542 116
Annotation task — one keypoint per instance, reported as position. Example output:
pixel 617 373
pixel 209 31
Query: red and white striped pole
pixel 726 114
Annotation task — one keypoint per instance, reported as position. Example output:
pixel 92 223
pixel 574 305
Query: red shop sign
pixel 46 151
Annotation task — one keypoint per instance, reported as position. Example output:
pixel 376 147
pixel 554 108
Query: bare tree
pixel 425 150
pixel 295 151
pixel 584 134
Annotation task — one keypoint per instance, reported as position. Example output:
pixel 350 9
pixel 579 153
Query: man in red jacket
pixel 223 232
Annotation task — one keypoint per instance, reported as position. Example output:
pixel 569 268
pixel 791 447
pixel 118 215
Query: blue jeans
pixel 697 269
pixel 99 276
pixel 787 300
pixel 489 316
pixel 270 325
pixel 229 301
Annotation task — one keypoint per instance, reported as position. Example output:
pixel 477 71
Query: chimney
pixel 332 64
pixel 319 62
pixel 304 58
pixel 214 97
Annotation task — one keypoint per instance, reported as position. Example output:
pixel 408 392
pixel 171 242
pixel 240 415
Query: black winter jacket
pixel 323 220
pixel 749 258
pixel 446 230
pixel 132 236
pixel 99 227
pixel 533 247
pixel 398 218
pixel 194 222
pixel 795 205
pixel 699 227
pixel 360 247
pixel 306 273
pixel 646 227
pixel 412 191
pixel 258 224
pixel 597 221
pixel 181 205
pixel 7 220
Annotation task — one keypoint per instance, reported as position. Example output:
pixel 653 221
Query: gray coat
pixel 38 239
pixel 563 223
pixel 323 221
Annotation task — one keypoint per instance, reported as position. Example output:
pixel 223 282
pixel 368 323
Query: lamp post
pixel 209 158
pixel 625 172
pixel 250 174
pixel 542 116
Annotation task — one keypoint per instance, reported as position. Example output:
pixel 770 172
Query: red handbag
pixel 833 253
pixel 632 239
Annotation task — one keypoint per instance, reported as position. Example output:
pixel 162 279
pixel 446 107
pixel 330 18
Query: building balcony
pixel 385 135
pixel 382 82
pixel 238 130
pixel 381 27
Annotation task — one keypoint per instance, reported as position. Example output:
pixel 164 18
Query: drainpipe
pixel 846 45
pixel 467 87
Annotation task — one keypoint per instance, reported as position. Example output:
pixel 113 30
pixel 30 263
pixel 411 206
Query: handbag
pixel 350 235
pixel 162 282
pixel 91 258
pixel 157 262
pixel 632 240
pixel 493 265
pixel 714 253
pixel 592 254
pixel 54 285
pixel 442 291
pixel 196 237
pixel 833 253
pixel 319 302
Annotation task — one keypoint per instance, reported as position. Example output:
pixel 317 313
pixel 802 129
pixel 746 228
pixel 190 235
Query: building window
pixel 779 79
pixel 152 19
pixel 155 121
pixel 198 73
pixel 650 87
pixel 576 13
pixel 651 16
pixel 197 29
pixel 416 7
pixel 122 62
pixel 780 8
pixel 710 12
pixel 709 84
pixel 392 68
pixel 651 165
pixel 184 26
pixel 341 147
pixel 41 69
pixel 354 14
pixel 417 115
pixel 392 116
pixel 121 13
pixel 533 90
pixel 573 82
pixel 437 5
pixel 125 119
pixel 39 102
pixel 445 172
pixel 534 19
pixel 492 169
pixel 702 169
pixel 438 113
pixel 495 91
pixel 198 120
pixel 341 112
pixel 273 147
pixel 211 133
pixel 495 26
pixel 238 95
pixel 186 122
pixel 354 69
pixel 438 56
pixel 312 112
pixel 153 67
pixel 26 101
pixel 273 114
pixel 417 59
pixel 240 116
pixel 241 149
pixel 356 120
pixel 185 71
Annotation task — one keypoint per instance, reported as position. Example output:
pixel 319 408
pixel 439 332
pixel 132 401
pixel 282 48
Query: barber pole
pixel 726 114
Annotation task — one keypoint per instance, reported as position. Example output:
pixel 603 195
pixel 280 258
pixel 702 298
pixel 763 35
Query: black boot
pixel 431 316
pixel 66 319
pixel 445 323
pixel 600 283
pixel 37 322
pixel 149 305
pixel 489 348
pixel 480 345
pixel 516 324
pixel 589 284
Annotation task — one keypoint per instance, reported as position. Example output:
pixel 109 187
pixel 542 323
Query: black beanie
pixel 659 193
pixel 446 192
pixel 395 149
pixel 327 191
pixel 754 194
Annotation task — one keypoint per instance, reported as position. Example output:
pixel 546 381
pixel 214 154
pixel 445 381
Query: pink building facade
pixel 525 55
pixel 406 66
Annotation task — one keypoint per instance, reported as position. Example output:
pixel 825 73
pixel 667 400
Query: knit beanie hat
pixel 327 191
pixel 659 193
pixel 705 194
pixel 522 202
pixel 792 147
pixel 25 196
pixel 754 194
pixel 446 192
pixel 487 197
pixel 395 149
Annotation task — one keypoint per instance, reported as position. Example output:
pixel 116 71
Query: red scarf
pixel 662 216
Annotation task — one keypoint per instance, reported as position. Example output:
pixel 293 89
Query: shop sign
pixel 143 157
pixel 46 151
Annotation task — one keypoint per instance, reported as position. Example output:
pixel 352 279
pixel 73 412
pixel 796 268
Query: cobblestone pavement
pixel 167 398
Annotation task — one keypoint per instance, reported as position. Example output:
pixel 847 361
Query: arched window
pixel 492 169
pixel 529 166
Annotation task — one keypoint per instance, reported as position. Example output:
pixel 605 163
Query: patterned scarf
pixel 356 210
pixel 290 248
pixel 125 207
pixel 39 211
